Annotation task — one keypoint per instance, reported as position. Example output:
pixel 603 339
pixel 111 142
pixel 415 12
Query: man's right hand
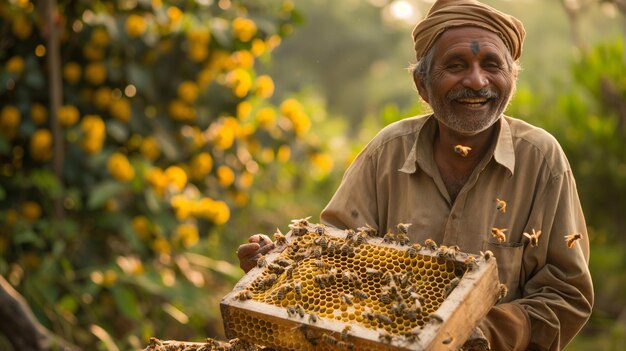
pixel 248 254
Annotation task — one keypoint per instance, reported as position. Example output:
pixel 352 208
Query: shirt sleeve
pixel 556 287
pixel 354 203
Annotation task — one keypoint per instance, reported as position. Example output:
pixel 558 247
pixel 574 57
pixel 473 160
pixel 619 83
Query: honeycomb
pixel 353 280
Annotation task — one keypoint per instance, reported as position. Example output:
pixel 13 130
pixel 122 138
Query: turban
pixel 446 14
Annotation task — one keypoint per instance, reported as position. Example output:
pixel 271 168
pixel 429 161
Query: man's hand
pixel 248 254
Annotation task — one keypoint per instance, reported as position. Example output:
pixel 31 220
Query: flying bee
pixel 470 262
pixel 389 238
pixel 430 244
pixel 487 255
pixel 322 242
pixel 261 262
pixel 280 238
pixel 347 299
pixel 283 262
pixel 329 339
pixel 499 234
pixel 385 337
pixel 381 318
pixel 403 227
pixel 402 239
pixel 503 290
pixel 462 150
pixel 345 333
pixel 453 283
pixel 413 250
pixel 534 237
pixel 244 295
pixel 501 205
pixel 571 239
pixel 360 294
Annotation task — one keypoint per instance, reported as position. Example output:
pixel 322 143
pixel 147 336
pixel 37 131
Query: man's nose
pixel 476 78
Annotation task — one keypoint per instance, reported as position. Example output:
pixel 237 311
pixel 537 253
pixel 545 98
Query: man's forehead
pixel 470 38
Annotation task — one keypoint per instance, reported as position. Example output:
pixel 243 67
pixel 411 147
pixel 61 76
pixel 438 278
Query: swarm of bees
pixel 209 345
pixel 462 150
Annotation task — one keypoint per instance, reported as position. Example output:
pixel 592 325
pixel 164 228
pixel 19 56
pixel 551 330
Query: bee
pixel 274 268
pixel 402 239
pixel 435 318
pixel 316 252
pixel 385 298
pixel 447 340
pixel 323 243
pixel 413 334
pixel 301 254
pixel 360 238
pixel 291 311
pixel 350 234
pixel 320 264
pixel 309 335
pixel 404 279
pixel 499 234
pixel 430 244
pixel 381 318
pixel 503 290
pixel 261 262
pixel 351 277
pixel 283 290
pixel 413 312
pixel 312 318
pixel 403 227
pixel 368 315
pixel 345 333
pixel 572 238
pixel 501 205
pixel 360 294
pixel 332 248
pixel 298 230
pixel 302 222
pixel 470 262
pixel 462 150
pixel 297 288
pixel 329 339
pixel 385 337
pixel 487 255
pixel 280 238
pixel 320 229
pixel 453 283
pixel 300 311
pixel 389 238
pixel 320 280
pixel 534 237
pixel 347 299
pixel 413 250
pixel 267 282
pixel 371 272
pixel 244 295
pixel 399 308
pixel 283 262
pixel 346 248
pixel 368 230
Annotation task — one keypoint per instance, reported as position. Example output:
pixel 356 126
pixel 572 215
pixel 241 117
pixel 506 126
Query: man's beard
pixel 470 122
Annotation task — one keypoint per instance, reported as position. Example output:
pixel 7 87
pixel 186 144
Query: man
pixel 467 175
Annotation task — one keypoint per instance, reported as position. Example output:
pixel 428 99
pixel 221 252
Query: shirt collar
pixel 422 151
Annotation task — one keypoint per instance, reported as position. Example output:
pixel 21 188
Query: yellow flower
pixel 141 226
pixel 225 176
pixel 188 91
pixel 187 234
pixel 10 118
pixel 93 52
pixel 222 212
pixel 120 168
pixel 38 113
pixel 181 111
pixel 15 65
pixel 71 72
pixel 258 47
pixel 177 177
pixel 322 162
pixel 273 41
pixel 161 246
pixel 94 134
pixel 283 154
pixel 120 109
pixel 68 115
pixel 301 123
pixel 264 86
pixel 245 180
pixel 267 155
pixel 100 36
pixel 174 14
pixel 290 107
pixel 225 133
pixel 240 81
pixel 31 211
pixel 244 29
pixel 158 180
pixel 41 145
pixel 266 117
pixel 199 35
pixel 243 109
pixel 102 97
pixel 240 198
pixel 135 26
pixel 110 277
pixel 201 165
pixel 243 59
pixel 150 148
pixel 96 73
pixel 22 27
pixel 198 52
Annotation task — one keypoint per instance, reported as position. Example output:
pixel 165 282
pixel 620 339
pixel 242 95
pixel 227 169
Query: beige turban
pixel 447 14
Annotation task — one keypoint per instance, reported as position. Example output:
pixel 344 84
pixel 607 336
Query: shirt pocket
pixel 509 261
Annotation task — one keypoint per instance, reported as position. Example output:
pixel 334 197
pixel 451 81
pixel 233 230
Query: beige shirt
pixel 395 180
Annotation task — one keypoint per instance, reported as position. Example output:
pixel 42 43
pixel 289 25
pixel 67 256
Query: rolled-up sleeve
pixel 556 286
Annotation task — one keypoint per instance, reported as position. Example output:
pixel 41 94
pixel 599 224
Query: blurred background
pixel 141 141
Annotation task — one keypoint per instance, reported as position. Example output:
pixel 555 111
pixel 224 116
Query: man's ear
pixel 421 86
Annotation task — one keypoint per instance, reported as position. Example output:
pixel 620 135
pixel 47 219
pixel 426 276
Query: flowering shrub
pixel 165 126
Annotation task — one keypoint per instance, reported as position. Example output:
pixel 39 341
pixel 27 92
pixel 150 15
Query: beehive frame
pixel 312 305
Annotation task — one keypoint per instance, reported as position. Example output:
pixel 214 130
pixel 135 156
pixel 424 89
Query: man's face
pixel 471 81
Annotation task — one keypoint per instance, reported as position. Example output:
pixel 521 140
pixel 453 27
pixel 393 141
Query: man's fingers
pixel 261 239
pixel 247 250
pixel 265 249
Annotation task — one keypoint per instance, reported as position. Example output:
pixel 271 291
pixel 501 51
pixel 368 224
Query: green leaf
pixel 47 181
pixel 126 302
pixel 103 192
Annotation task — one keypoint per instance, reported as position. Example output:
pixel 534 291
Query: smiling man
pixel 467 175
